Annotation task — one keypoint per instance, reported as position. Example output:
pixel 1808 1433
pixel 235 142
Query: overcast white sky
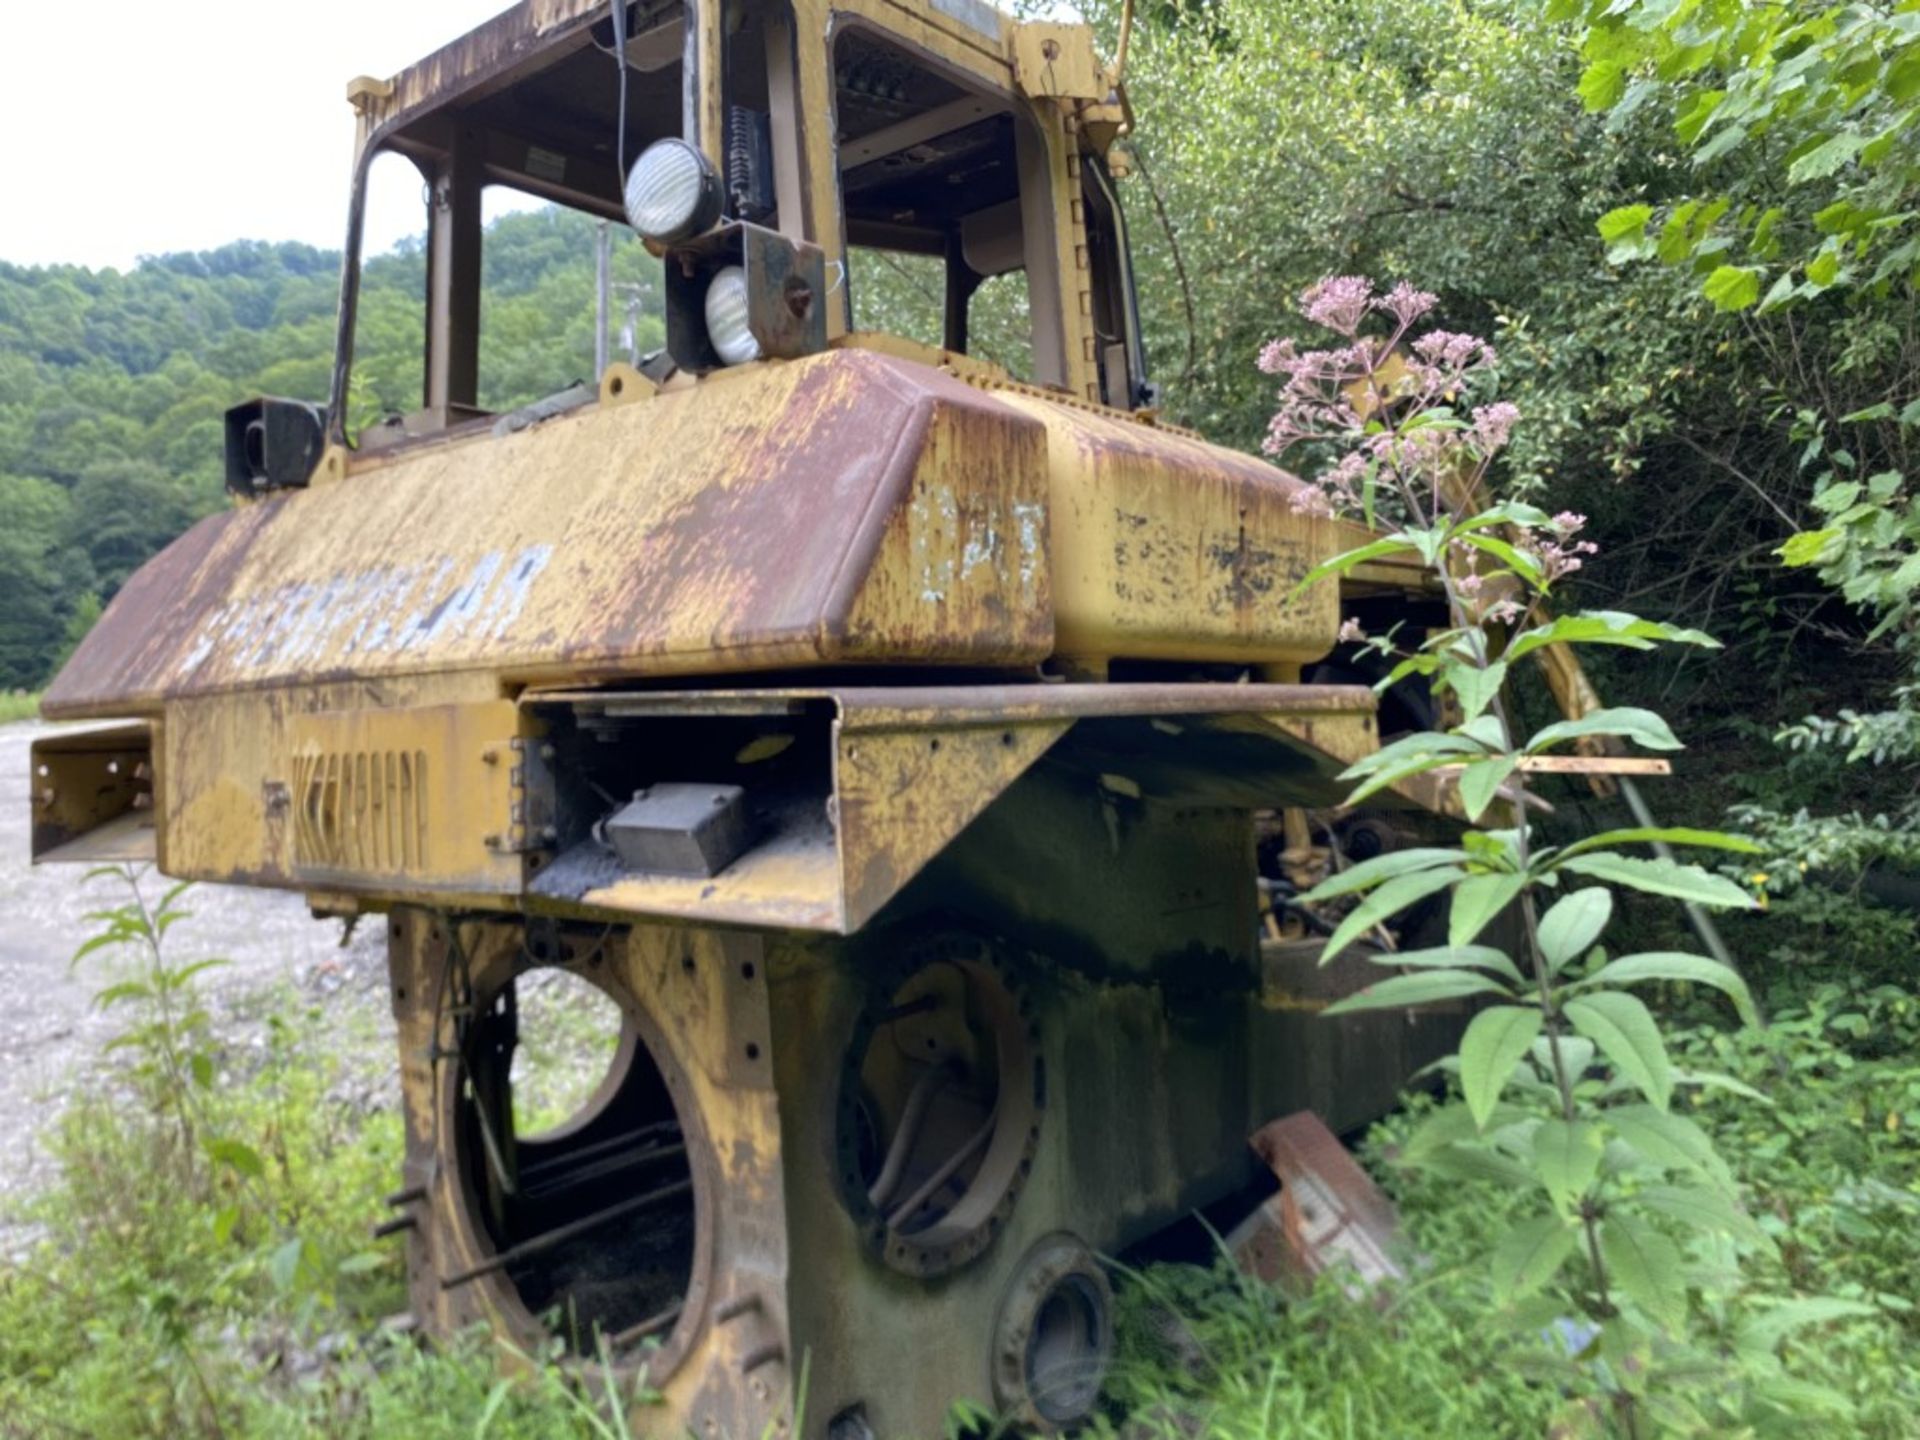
pixel 137 128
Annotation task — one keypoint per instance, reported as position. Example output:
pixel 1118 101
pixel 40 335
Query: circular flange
pixel 957 1032
pixel 1053 1339
pixel 643 1052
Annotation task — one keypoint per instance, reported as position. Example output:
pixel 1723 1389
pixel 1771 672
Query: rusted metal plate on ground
pixel 1328 1215
pixel 842 508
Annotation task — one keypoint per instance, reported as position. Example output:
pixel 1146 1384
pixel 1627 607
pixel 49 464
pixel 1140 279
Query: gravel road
pixel 49 1028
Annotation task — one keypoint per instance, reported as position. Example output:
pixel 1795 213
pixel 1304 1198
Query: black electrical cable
pixel 620 59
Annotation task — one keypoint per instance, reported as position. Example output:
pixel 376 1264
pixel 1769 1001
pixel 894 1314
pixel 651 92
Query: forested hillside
pixel 112 388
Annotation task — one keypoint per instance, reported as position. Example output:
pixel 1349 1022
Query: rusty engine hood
pixel 841 509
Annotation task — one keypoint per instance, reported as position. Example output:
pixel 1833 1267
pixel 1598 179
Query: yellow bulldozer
pixel 891 735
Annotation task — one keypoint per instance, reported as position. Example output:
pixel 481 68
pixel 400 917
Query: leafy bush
pixel 1829 1170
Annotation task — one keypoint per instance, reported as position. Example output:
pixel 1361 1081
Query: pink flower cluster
pixel 1328 397
pixel 1554 547
pixel 1341 302
pixel 1386 416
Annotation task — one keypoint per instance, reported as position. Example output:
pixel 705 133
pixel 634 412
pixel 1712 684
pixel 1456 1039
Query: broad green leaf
pixel 1566 1157
pixel 1426 988
pixel 1504 512
pixel 1369 873
pixel 1602 84
pixel 1676 965
pixel 1727 139
pixel 1669 1141
pixel 1477 900
pixel 1512 556
pixel 1714 1080
pixel 1826 157
pixel 1778 293
pixel 1347 560
pixel 1496 1038
pixel 1385 902
pixel 1486 732
pixel 1811 547
pixel 1424 746
pixel 1698 1207
pixel 1832 499
pixel 1480 783
pixel 284 1265
pixel 1691 117
pixel 1643 727
pixel 1606 627
pixel 1766 1330
pixel 1663 835
pixel 1843 217
pixel 186 972
pixel 1571 926
pixel 1395 776
pixel 125 990
pixel 1627 1035
pixel 1452 1124
pixel 1476 687
pixel 1477 1162
pixel 1576 1053
pixel 242 1159
pixel 224 1220
pixel 1803 1397
pixel 1645 1266
pixel 98 942
pixel 1733 287
pixel 1493 849
pixel 1469 957
pixel 1625 223
pixel 1662 877
pixel 1531 1254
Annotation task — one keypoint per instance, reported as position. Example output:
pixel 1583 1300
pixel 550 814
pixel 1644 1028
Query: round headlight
pixel 672 192
pixel 727 327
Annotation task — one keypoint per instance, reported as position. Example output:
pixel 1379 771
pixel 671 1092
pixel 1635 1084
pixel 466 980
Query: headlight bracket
pixel 786 293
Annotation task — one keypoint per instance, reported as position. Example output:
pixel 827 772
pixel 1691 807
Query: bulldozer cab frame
pixel 947 131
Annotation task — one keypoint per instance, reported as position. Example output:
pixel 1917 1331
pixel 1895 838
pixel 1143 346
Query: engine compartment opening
pixel 591 1220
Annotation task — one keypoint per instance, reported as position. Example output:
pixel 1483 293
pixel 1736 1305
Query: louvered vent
pixel 361 811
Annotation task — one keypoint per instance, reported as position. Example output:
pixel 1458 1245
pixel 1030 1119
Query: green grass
pixel 172 1298
pixel 19 705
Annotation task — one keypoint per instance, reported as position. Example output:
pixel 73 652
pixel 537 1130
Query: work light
pixel 728 326
pixel 673 193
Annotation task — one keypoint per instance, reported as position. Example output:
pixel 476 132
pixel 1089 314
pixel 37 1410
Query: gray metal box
pixel 681 829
